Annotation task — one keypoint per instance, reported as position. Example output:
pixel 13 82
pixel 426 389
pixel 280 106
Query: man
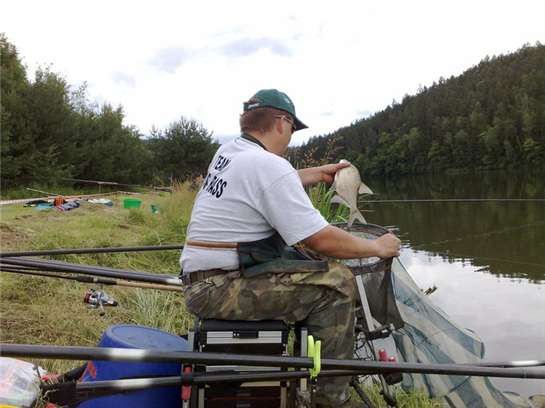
pixel 253 198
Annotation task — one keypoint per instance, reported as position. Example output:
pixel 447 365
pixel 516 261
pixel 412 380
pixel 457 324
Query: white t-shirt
pixel 247 195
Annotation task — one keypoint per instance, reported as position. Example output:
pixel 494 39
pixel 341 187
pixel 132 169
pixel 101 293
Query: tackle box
pixel 268 337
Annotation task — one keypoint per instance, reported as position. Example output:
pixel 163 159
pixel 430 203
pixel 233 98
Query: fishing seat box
pixel 269 337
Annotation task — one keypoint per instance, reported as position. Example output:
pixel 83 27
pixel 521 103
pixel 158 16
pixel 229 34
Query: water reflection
pixel 487 259
pixel 507 314
pixel 504 238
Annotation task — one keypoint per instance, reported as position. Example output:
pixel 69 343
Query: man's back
pixel 247 195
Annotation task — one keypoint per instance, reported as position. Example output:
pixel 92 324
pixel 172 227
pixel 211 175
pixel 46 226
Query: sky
pixel 338 61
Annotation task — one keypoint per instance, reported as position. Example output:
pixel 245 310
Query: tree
pixel 491 111
pixel 533 152
pixel 52 122
pixel 182 151
pixel 51 131
pixel 15 138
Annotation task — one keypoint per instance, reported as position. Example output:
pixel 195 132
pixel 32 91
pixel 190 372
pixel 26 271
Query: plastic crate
pixel 132 203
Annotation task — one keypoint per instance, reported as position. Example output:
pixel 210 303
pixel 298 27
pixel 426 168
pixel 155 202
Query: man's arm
pixel 337 243
pixel 326 173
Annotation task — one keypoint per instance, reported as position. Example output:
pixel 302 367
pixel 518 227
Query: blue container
pixel 136 337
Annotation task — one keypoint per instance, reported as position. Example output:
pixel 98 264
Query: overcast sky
pixel 339 61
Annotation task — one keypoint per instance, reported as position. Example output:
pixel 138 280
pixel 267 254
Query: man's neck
pixel 253 139
pixel 266 140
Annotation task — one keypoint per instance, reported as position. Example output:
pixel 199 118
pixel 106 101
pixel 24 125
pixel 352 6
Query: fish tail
pixel 355 215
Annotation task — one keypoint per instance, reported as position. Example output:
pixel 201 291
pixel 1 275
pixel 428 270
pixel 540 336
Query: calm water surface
pixel 487 259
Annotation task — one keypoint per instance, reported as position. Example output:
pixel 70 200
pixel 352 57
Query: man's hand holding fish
pixel 333 241
pixel 325 173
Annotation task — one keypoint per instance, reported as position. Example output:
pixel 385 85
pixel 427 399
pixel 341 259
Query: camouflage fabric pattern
pixel 323 301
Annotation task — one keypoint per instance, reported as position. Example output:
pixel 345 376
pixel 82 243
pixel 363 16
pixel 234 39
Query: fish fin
pixel 337 199
pixel 355 215
pixel 364 189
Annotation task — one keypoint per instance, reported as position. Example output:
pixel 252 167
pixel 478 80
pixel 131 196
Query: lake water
pixel 486 258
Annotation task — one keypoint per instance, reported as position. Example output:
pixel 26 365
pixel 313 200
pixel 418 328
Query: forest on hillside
pixel 490 117
pixel 50 132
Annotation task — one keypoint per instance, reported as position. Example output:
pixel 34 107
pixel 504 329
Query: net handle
pixel 377 231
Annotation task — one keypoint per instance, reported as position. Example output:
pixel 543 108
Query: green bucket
pixel 131 203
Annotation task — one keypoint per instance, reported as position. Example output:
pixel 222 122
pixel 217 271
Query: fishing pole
pixel 442 200
pixel 510 364
pixel 94 270
pixel 81 391
pixel 14 268
pixel 481 234
pixel 87 390
pixel 69 251
pixel 450 254
pixel 133 384
pixel 202 358
pixel 43 192
pixel 92 279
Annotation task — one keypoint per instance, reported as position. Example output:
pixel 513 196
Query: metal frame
pixel 231 338
pixel 369 325
pixel 368 322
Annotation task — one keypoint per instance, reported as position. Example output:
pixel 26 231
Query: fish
pixel 347 184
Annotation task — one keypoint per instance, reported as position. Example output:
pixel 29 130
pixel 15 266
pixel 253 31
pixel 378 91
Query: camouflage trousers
pixel 323 301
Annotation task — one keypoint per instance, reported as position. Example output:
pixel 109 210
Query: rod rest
pixel 224 325
pixel 381 332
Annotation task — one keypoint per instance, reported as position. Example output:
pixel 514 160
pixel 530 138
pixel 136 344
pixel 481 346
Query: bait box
pixel 136 337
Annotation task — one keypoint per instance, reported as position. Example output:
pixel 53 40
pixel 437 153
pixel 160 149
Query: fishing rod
pixel 107 183
pixel 42 192
pixel 94 270
pixel 450 254
pixel 69 251
pixel 75 392
pixel 134 384
pixel 454 200
pixel 91 279
pixel 202 358
pixel 511 364
pixel 481 234
pixel 81 391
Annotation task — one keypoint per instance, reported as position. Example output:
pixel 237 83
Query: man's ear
pixel 280 123
pixel 278 126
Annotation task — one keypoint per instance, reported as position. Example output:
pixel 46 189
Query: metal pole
pixel 512 364
pixel 69 251
pixel 95 270
pixel 456 200
pixel 93 279
pixel 119 354
pixel 369 322
pixel 43 192
pixel 95 389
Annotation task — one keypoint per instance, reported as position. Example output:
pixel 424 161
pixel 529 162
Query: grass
pixel 413 399
pixel 35 310
pixel 320 196
pixel 51 311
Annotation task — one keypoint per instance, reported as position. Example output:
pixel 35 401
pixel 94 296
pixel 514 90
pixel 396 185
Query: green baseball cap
pixel 273 98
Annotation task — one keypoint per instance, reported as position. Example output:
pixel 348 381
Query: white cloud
pixel 163 59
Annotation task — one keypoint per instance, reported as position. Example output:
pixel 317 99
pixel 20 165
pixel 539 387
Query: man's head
pixel 270 113
pixel 262 109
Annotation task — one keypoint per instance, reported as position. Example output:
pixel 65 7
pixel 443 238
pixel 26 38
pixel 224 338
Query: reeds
pixel 321 196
